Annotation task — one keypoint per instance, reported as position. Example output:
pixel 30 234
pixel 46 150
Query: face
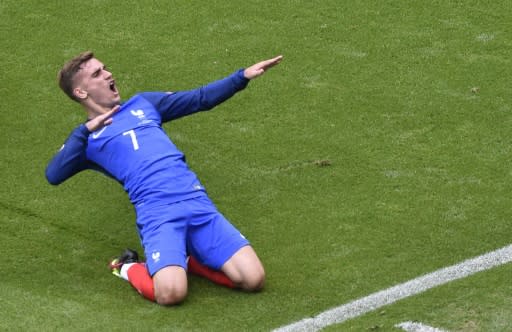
pixel 94 84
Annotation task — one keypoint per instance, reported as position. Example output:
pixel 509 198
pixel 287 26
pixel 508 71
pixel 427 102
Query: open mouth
pixel 112 86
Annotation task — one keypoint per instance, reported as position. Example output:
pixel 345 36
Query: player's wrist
pixel 241 78
pixel 84 129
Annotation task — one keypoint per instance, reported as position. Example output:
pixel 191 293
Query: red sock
pixel 217 277
pixel 139 278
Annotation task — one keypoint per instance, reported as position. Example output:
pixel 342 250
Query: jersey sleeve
pixel 175 105
pixel 71 158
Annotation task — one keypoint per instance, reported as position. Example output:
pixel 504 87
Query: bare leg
pixel 171 285
pixel 244 268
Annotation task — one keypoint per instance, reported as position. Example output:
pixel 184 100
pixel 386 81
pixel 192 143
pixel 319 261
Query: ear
pixel 80 93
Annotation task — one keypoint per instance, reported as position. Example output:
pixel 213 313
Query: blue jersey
pixel 135 150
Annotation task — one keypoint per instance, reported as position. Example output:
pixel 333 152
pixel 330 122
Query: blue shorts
pixel 169 233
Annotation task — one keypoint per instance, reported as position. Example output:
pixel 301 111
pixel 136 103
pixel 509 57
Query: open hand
pixel 101 120
pixel 259 68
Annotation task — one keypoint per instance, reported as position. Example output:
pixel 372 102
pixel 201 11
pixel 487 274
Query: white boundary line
pixel 415 286
pixel 417 327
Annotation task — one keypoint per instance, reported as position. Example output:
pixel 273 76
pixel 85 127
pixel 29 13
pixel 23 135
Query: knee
pixel 259 282
pixel 245 270
pixel 170 285
pixel 170 295
pixel 254 281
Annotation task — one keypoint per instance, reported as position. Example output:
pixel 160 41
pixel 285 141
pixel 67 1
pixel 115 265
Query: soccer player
pixel 179 227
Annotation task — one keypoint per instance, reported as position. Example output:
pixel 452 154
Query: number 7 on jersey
pixel 133 137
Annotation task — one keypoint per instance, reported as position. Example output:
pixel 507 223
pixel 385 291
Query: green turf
pixel 377 151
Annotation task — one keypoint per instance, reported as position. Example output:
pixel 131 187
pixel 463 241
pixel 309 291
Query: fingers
pixel 113 111
pixel 107 117
pixel 259 68
pixel 102 120
pixel 275 61
pixel 270 62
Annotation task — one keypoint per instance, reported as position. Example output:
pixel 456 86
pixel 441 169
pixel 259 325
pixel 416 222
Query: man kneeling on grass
pixel 179 227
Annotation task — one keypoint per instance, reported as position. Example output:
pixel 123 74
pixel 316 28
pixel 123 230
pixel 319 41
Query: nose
pixel 108 75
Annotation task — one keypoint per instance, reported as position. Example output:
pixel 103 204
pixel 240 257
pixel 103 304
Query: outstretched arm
pixel 175 105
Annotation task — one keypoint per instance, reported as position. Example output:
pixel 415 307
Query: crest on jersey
pixel 138 113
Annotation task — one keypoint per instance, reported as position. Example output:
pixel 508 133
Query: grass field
pixel 377 151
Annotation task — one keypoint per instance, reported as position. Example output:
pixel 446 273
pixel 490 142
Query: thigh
pixel 170 285
pixel 163 235
pixel 245 269
pixel 212 239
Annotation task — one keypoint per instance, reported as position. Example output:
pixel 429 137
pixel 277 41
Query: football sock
pixel 124 270
pixel 139 278
pixel 217 277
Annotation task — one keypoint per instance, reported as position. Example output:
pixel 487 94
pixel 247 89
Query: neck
pixel 93 110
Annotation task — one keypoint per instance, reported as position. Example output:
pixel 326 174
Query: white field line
pixel 417 327
pixel 415 286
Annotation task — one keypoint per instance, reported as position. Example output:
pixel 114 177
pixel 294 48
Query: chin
pixel 115 102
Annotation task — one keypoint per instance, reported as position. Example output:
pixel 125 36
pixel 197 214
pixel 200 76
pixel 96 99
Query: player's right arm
pixel 71 158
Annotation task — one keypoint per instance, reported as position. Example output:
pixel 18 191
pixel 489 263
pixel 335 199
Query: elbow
pixel 53 181
pixel 52 178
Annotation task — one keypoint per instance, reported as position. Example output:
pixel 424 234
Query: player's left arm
pixel 260 68
pixel 178 104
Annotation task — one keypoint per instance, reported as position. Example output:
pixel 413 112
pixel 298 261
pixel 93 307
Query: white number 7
pixel 133 137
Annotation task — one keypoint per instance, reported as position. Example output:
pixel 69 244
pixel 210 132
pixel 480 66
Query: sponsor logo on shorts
pixel 156 256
